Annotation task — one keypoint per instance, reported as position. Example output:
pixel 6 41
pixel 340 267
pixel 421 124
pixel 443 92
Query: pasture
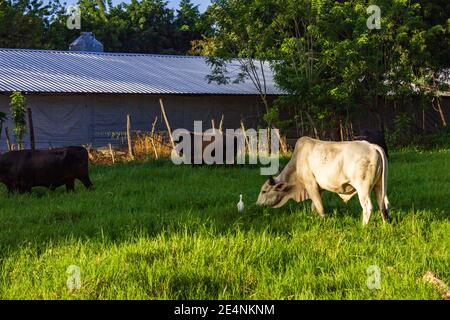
pixel 152 230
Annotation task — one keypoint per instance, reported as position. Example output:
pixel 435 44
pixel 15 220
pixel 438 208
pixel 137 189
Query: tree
pixel 327 59
pixel 146 26
pixel 151 27
pixel 18 115
pixel 24 23
pixel 299 67
pixel 433 67
pixel 189 25
pixel 241 35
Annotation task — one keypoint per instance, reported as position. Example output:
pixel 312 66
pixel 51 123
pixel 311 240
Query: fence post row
pixel 31 128
pixel 130 147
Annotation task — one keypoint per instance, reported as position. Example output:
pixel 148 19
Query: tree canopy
pixel 147 26
pixel 326 57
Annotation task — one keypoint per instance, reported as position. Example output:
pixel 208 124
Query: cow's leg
pixel 382 202
pixel 314 195
pixel 70 186
pixel 86 182
pixel 366 203
pixel 386 203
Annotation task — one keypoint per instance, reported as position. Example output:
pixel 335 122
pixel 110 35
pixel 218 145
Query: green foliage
pixel 273 115
pixel 353 65
pixel 193 244
pixel 242 36
pixel 431 141
pixel 402 132
pixel 191 25
pixel 147 26
pixel 18 116
pixel 437 140
pixel 25 23
pixel 326 57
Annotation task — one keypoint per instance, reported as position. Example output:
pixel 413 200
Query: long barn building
pixel 82 97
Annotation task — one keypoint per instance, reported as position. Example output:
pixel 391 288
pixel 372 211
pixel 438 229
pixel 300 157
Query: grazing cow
pixel 346 168
pixel 374 136
pixel 23 169
pixel 208 139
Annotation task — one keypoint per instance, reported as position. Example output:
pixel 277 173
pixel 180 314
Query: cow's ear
pixel 282 186
pixel 271 181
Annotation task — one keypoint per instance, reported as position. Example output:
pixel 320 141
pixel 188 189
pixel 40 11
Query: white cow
pixel 345 168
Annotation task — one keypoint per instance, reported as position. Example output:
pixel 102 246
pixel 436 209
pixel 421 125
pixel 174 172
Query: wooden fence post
pixel 31 128
pixel 163 111
pixel 151 137
pixel 441 112
pixel 249 147
pixel 221 124
pixel 8 141
pixel 283 146
pixel 130 146
pixel 351 131
pixel 112 152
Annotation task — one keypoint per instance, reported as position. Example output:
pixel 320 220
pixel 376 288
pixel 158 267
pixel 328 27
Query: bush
pixel 436 140
pixel 402 133
pixel 18 115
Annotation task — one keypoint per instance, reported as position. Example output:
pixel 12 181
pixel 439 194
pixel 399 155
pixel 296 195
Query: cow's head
pixel 275 194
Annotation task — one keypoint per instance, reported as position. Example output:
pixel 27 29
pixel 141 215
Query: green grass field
pixel 157 231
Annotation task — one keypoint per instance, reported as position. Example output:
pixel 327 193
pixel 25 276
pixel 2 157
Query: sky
pixel 203 4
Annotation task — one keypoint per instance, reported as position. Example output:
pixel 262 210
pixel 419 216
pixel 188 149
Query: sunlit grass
pixel 158 231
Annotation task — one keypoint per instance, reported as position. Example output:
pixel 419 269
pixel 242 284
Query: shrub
pixel 18 115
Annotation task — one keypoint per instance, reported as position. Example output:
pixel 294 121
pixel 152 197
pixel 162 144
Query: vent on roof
pixel 86 42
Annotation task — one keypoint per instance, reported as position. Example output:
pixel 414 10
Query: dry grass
pixel 149 146
pixel 145 146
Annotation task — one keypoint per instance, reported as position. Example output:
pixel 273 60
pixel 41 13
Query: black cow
pixel 374 136
pixel 205 144
pixel 23 169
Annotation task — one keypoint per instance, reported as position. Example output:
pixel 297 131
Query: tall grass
pixel 152 230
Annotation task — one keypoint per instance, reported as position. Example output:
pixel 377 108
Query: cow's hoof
pixel 387 220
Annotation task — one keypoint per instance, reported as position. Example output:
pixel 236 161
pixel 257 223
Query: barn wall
pixel 81 119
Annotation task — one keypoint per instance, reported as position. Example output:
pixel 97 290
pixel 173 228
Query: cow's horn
pixel 271 180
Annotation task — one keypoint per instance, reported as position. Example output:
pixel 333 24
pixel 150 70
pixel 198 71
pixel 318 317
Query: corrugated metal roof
pixel 101 72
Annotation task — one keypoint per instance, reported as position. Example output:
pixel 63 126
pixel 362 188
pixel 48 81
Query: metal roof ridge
pixel 104 53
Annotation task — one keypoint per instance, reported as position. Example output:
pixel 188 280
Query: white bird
pixel 240 205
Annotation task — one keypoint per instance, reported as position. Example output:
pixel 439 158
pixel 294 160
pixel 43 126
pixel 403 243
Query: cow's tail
pixel 384 175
